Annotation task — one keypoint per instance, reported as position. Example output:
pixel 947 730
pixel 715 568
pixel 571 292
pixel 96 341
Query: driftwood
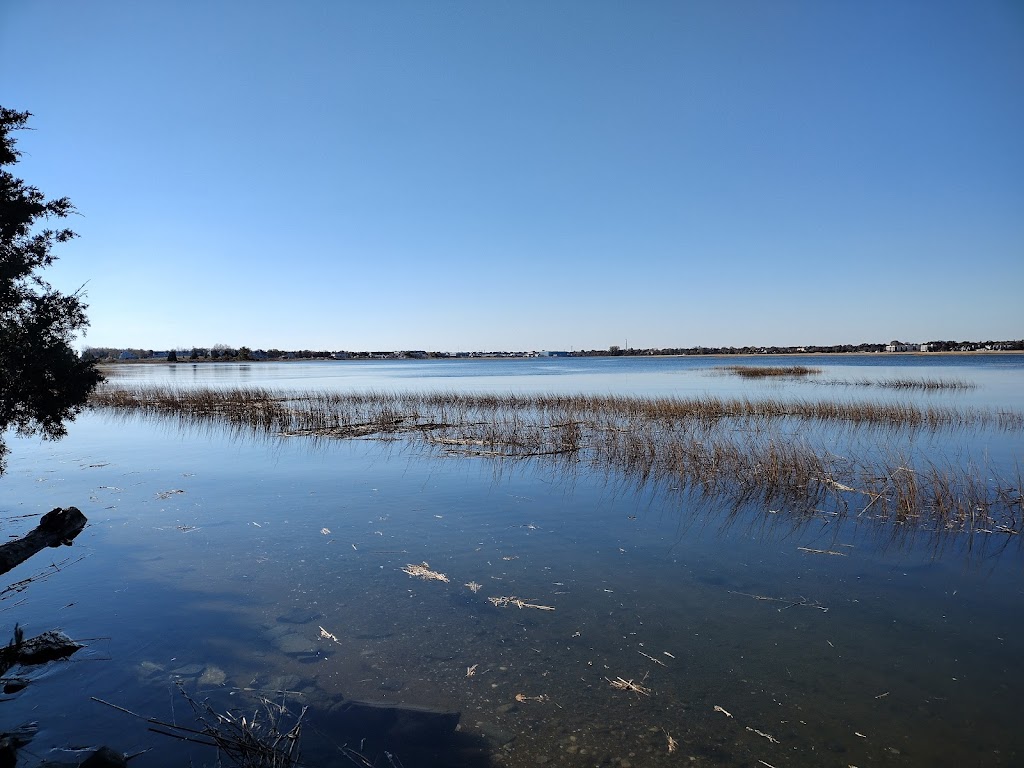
pixel 56 527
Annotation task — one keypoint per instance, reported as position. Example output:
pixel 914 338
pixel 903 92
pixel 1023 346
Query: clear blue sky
pixel 529 175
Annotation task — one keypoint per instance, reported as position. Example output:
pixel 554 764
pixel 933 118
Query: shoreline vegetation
pixel 770 453
pixel 768 371
pixel 111 357
pixel 806 372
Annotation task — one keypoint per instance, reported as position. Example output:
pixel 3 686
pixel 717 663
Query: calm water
pixel 216 561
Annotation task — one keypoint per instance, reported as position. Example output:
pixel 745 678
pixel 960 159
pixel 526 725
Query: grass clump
pixel 739 450
pixel 769 371
pixel 920 385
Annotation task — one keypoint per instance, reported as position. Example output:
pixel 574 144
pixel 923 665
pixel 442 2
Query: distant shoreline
pixel 716 355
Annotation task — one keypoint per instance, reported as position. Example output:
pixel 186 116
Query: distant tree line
pixel 218 352
pixel 226 353
pixel 933 346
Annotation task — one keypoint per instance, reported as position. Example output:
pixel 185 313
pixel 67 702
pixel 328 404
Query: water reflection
pixel 220 562
pixel 886 465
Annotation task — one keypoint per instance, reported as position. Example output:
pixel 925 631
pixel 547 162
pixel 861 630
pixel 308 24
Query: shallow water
pixel 216 560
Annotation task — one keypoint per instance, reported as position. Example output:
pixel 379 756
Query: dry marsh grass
pixel 739 451
pixel 768 371
pixel 919 385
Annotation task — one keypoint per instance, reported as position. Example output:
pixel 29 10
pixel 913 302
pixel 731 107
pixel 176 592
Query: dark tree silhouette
pixel 43 383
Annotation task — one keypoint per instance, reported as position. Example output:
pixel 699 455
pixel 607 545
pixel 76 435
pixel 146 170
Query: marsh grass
pixel 768 371
pixel 741 451
pixel 919 385
pixel 268 738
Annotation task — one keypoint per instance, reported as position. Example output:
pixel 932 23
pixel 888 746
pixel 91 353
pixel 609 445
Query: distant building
pixel 551 353
pixel 127 355
pixel 898 346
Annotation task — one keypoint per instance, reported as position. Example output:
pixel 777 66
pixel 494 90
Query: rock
pixel 212 676
pixel 45 647
pixel 189 670
pixel 299 615
pixel 11 742
pixel 284 683
pixel 105 757
pixel 150 668
pixel 15 684
pixel 294 643
pixel 495 734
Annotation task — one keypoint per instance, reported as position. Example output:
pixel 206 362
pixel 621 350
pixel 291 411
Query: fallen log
pixel 56 527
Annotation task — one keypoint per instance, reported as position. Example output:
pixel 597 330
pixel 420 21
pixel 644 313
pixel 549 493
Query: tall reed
pixel 767 371
pixel 740 450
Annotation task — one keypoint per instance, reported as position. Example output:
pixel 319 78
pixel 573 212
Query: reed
pixel 768 371
pixel 344 410
pixel 741 451
pixel 921 385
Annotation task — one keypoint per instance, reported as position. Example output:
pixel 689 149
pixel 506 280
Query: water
pixel 998 376
pixel 217 560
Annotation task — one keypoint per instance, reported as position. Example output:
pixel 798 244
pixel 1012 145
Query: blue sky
pixel 529 175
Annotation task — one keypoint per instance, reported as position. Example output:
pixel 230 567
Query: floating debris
pixel 470 671
pixel 629 685
pixel 325 531
pixel 510 557
pixel 723 711
pixel 673 745
pixel 473 586
pixel 790 602
pixel 522 697
pixel 504 602
pixel 423 571
pixel 821 551
pixel 772 739
pixel 656 661
pixel 168 494
pixel 328 636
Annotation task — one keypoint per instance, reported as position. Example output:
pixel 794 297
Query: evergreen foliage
pixel 43 383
